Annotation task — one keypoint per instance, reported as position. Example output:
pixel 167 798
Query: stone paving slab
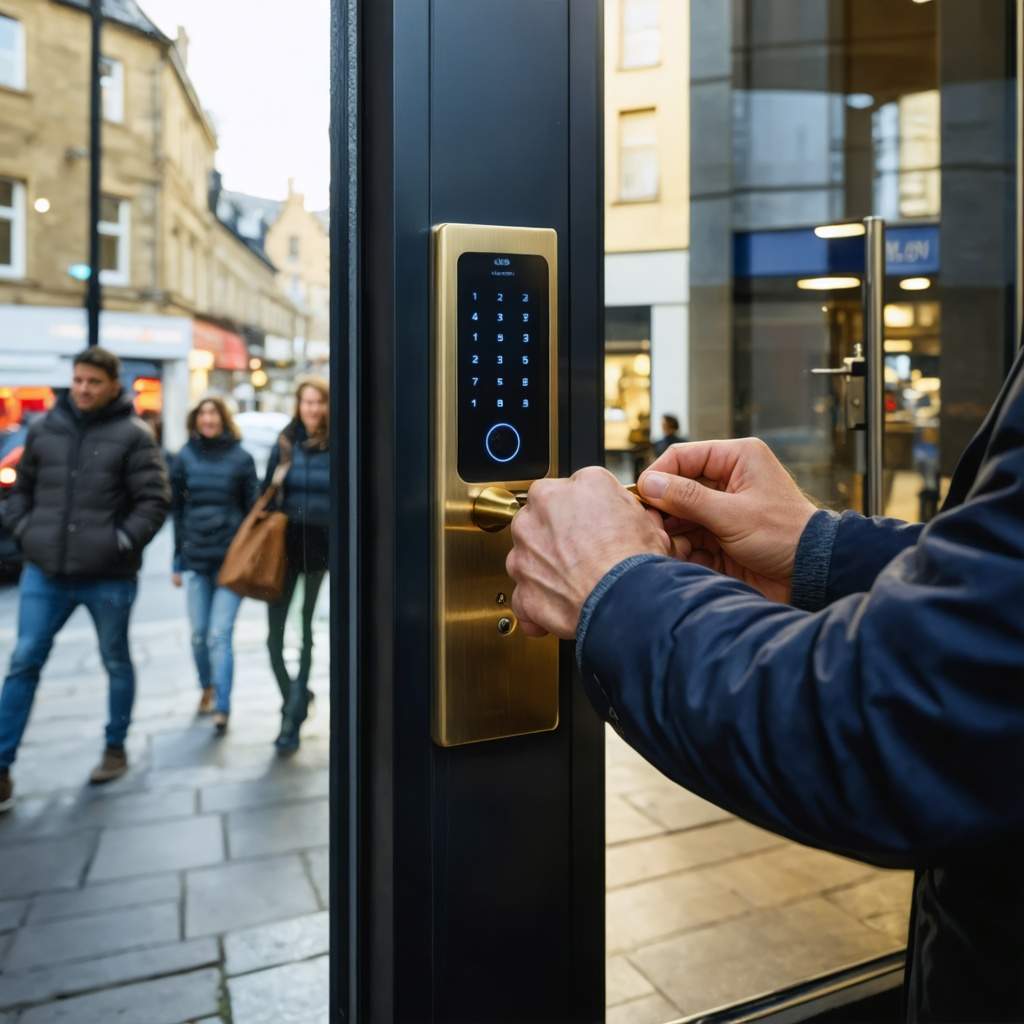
pixel 319 870
pixel 757 954
pixel 12 913
pixel 293 994
pixel 682 851
pixel 653 1009
pixel 175 1000
pixel 151 849
pixel 269 789
pixel 44 866
pixel 41 986
pixel 674 808
pixel 623 982
pixel 281 828
pixel 623 822
pixel 282 942
pixel 81 938
pixel 240 895
pixel 94 809
pixel 92 899
pixel 786 874
pixel 640 914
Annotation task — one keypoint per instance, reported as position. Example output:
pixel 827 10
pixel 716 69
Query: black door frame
pixel 417 933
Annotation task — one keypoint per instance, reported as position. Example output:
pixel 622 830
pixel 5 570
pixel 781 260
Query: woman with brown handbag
pixel 213 487
pixel 305 497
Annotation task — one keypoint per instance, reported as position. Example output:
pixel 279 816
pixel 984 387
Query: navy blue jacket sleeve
pixel 862 549
pixel 888 726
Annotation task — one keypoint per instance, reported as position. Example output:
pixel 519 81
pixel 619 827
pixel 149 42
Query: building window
pixel 293 247
pixel 112 86
pixel 638 156
pixel 115 222
pixel 12 228
pixel 641 33
pixel 12 53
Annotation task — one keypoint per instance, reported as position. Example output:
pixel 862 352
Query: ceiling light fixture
pixel 827 284
pixel 916 284
pixel 854 230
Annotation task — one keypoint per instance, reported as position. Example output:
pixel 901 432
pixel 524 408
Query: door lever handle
pixel 495 507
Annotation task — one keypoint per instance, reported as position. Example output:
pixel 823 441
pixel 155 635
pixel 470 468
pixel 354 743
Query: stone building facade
pixel 168 265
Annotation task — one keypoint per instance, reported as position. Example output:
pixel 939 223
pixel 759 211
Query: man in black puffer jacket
pixel 92 492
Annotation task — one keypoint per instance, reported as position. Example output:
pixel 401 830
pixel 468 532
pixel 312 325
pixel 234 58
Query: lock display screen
pixel 503 367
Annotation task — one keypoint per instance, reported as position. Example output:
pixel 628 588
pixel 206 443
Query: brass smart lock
pixel 495 391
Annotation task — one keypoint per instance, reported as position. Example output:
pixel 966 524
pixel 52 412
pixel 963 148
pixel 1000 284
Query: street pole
pixel 93 297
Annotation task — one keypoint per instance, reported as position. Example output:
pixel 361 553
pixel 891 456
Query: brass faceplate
pixel 490 680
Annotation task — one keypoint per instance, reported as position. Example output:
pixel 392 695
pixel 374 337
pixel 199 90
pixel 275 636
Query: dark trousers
pixel 294 692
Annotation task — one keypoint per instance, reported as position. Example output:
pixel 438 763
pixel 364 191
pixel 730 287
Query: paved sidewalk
pixel 704 911
pixel 194 889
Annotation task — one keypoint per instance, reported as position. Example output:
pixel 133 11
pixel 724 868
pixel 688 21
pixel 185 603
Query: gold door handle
pixel 494 507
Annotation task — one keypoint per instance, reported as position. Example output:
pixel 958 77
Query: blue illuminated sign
pixel 800 253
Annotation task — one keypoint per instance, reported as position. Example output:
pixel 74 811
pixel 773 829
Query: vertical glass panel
pixel 110 209
pixel 11 53
pixel 6 242
pixel 6 193
pixel 641 33
pixel 109 252
pixel 638 155
pixel 807 117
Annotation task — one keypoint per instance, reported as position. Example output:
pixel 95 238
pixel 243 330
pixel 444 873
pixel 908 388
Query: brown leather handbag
pixel 256 561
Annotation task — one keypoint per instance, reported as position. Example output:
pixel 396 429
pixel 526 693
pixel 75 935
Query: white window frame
pixel 16 215
pixel 653 194
pixel 633 42
pixel 18 81
pixel 121 230
pixel 112 94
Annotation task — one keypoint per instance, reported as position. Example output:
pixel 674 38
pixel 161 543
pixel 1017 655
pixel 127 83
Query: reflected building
pixel 185 294
pixel 810 115
pixel 646 225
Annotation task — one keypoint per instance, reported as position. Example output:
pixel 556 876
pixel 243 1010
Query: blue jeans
pixel 45 603
pixel 211 613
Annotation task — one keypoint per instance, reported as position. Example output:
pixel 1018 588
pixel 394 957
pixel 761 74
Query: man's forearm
pixel 829 727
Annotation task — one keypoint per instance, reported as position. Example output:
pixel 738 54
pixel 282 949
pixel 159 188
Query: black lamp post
pixel 93 297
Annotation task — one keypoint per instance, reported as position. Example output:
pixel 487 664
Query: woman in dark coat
pixel 213 487
pixel 300 464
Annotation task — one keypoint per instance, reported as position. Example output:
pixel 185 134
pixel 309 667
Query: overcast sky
pixel 262 70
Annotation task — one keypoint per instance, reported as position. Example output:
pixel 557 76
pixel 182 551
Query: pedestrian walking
pixel 91 493
pixel 213 487
pixel 300 464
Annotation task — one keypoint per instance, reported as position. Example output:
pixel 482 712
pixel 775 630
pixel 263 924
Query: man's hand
pixel 176 579
pixel 570 534
pixel 732 507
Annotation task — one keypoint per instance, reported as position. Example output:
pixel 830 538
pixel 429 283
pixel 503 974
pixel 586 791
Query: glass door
pixel 805 118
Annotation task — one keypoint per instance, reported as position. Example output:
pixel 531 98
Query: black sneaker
pixel 6 792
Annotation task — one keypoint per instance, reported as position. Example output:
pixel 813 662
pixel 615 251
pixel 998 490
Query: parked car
pixel 260 431
pixel 12 444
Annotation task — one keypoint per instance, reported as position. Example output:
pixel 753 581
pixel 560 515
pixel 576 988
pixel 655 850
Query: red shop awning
pixel 228 349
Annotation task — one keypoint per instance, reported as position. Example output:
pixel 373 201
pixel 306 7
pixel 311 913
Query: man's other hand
pixel 569 535
pixel 733 507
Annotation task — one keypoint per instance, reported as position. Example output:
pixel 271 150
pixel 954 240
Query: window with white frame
pixel 641 33
pixel 112 88
pixel 638 156
pixel 12 228
pixel 12 53
pixel 115 228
